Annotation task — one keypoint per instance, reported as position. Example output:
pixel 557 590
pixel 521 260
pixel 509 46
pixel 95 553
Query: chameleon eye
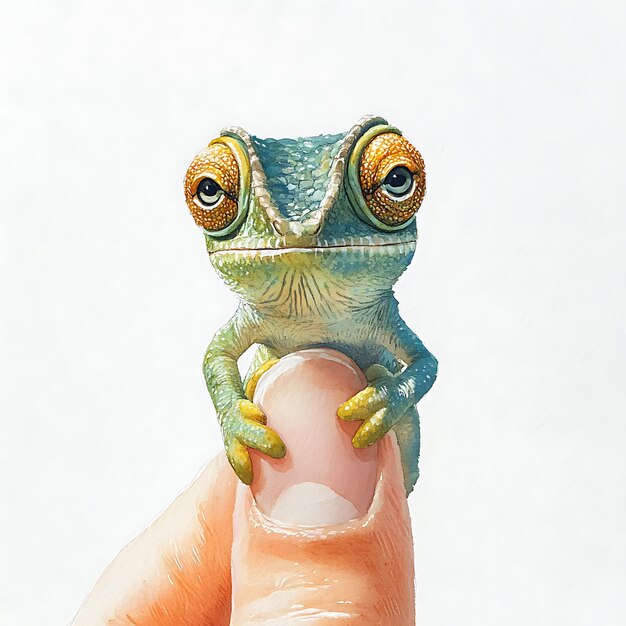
pixel 209 192
pixel 398 182
pixel 387 179
pixel 216 187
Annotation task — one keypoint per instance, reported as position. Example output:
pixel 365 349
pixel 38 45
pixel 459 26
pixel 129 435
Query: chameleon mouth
pixel 389 246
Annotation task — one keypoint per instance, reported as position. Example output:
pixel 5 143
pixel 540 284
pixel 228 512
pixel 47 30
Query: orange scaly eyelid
pixel 381 155
pixel 218 163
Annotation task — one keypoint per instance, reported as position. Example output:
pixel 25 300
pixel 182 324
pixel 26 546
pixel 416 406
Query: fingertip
pixel 300 397
pixel 307 562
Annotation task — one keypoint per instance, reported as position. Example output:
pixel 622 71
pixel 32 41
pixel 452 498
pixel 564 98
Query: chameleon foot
pixel 244 427
pixel 380 406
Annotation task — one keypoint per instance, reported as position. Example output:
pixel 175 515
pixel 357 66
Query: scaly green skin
pixel 300 288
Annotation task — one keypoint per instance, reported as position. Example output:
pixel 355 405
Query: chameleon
pixel 312 235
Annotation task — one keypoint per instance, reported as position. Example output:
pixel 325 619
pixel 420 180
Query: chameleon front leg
pixel 389 396
pixel 242 422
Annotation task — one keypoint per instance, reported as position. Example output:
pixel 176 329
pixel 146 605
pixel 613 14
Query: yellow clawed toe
pixel 239 459
pixel 254 379
pixel 372 429
pixel 362 405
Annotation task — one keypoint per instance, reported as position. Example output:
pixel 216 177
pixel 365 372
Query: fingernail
pixel 322 480
pixel 312 504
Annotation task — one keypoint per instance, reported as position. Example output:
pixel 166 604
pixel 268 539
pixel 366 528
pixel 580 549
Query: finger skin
pixel 360 572
pixel 178 570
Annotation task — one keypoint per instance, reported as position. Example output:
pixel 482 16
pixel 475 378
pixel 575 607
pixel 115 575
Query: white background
pixel 109 300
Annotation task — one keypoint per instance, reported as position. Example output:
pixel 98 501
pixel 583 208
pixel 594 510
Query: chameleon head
pixel 332 216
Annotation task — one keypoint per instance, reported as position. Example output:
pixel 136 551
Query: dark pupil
pixel 208 187
pixel 397 178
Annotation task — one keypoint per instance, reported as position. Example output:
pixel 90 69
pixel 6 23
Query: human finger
pixel 323 536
